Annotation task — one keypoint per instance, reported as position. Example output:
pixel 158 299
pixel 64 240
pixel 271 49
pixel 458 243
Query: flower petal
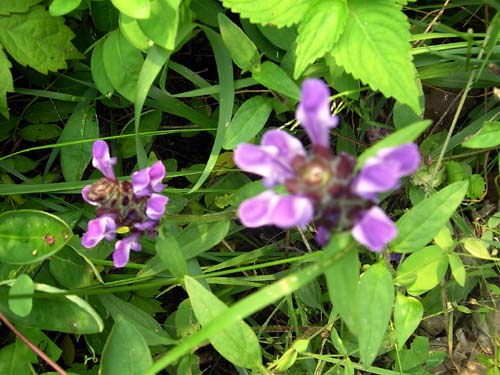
pixel 102 227
pixel 374 229
pixel 102 160
pixel 156 206
pixel 269 208
pixel 406 155
pixel 123 247
pixel 148 180
pixel 313 112
pixel 85 196
pixel 156 175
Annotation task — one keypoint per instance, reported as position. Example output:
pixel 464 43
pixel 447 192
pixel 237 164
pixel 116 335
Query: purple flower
pixel 322 187
pixel 136 206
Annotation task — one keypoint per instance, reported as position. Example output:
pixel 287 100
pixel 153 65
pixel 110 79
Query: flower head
pixel 136 206
pixel 322 187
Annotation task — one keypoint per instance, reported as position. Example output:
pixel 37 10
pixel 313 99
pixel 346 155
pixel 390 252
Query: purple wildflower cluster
pixel 322 187
pixel 136 207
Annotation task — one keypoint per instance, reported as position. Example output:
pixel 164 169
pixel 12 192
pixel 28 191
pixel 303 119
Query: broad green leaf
pixel 207 11
pixel 70 269
pixel 237 343
pixel 242 50
pixel 457 268
pixel 407 134
pixel 476 247
pixel 39 132
pixel 15 359
pixel 419 225
pixel 273 77
pixel 62 7
pixel 20 35
pixel 342 280
pixel 29 236
pixel 248 121
pixel 408 312
pixel 122 62
pixel 318 31
pixel 21 296
pixel 131 30
pixel 444 239
pixel 197 238
pixel 277 12
pixel 17 6
pixel 171 255
pixel 428 265
pixel 104 15
pixel 374 301
pixel 49 111
pixel 6 83
pixel 149 328
pixel 133 8
pixel 81 126
pixel 99 74
pixel 488 136
pixel 375 47
pixel 477 186
pixel 126 352
pixel 54 311
pixel 161 26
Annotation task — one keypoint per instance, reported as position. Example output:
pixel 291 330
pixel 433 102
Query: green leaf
pixel 150 329
pixel 457 269
pixel 126 351
pixel 99 75
pixel 133 8
pixel 318 31
pixel 21 296
pixel 418 226
pixel 39 132
pixel 171 254
pixel 242 50
pixel 70 269
pixel 62 7
pixel 54 310
pixel 237 343
pixel 248 121
pixel 273 77
pixel 161 26
pixel 477 248
pixel 131 30
pixel 6 83
pixel 477 186
pixel 82 125
pixel 342 280
pixel 122 62
pixel 104 15
pixel 375 47
pixel 15 359
pixel 29 236
pixel 407 134
pixel 488 136
pixel 408 312
pixel 428 265
pixel 277 12
pixel 374 300
pixel 17 6
pixel 150 122
pixel 21 35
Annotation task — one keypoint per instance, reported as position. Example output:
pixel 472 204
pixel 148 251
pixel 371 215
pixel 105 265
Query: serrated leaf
pixel 277 12
pixel 237 343
pixel 375 47
pixel 318 31
pixel 21 35
pixel 133 8
pixel 126 351
pixel 123 63
pixel 419 225
pixel 408 312
pixel 374 300
pixel 6 83
pixel 17 6
pixel 242 50
pixel 62 7
pixel 82 125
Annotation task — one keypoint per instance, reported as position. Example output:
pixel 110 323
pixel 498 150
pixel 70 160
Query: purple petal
pixel 313 112
pixel 374 229
pixel 272 160
pixel 323 235
pixel 102 227
pixel 123 247
pixel 269 208
pixel 85 196
pixel 148 180
pixel 406 155
pixel 156 206
pixel 102 160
